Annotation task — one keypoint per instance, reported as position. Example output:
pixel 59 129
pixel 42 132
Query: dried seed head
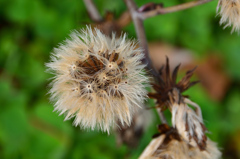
pixel 91 82
pixel 168 94
pixel 179 149
pixel 230 13
pixel 188 123
pixel 169 144
pixel 168 82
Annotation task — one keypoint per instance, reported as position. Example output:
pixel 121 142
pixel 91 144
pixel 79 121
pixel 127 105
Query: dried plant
pixel 168 95
pixel 169 144
pixel 98 80
pixel 167 82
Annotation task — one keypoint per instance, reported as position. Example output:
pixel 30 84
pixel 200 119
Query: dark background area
pixel 30 29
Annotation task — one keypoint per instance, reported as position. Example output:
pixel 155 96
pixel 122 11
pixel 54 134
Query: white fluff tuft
pixel 98 79
pixel 230 13
pixel 181 150
pixel 170 146
pixel 188 124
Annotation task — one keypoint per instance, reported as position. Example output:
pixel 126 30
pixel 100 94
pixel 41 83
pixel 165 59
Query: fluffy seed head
pixel 98 80
pixel 230 13
pixel 169 144
pixel 179 149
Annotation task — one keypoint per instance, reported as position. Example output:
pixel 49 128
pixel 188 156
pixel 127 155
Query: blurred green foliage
pixel 29 29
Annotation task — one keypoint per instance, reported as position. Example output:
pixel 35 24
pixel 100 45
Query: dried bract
pixel 166 84
pixel 230 13
pixel 98 80
pixel 188 122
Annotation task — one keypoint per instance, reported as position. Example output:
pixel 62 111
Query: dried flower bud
pixel 166 84
pixel 170 145
pixel 98 80
pixel 168 95
pixel 230 13
pixel 188 123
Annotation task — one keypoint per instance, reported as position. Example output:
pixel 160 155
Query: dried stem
pixel 162 117
pixel 92 11
pixel 159 10
pixel 138 23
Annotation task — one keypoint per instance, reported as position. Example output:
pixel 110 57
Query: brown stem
pixel 162 117
pixel 92 11
pixel 138 23
pixel 159 10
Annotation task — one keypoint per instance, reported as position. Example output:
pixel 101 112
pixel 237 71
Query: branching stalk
pixel 138 23
pixel 160 10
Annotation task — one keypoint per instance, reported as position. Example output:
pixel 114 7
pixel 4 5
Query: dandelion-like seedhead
pixel 230 13
pixel 169 144
pixel 98 80
pixel 173 147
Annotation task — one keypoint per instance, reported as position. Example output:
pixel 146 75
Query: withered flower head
pixel 188 122
pixel 169 144
pixel 230 13
pixel 167 83
pixel 98 79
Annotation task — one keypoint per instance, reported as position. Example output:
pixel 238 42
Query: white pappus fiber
pixel 98 80
pixel 230 13
pixel 188 124
pixel 181 150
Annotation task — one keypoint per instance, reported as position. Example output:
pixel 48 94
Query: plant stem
pixel 159 10
pixel 138 23
pixel 92 11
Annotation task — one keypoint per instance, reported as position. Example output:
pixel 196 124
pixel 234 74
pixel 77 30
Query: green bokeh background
pixel 29 29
